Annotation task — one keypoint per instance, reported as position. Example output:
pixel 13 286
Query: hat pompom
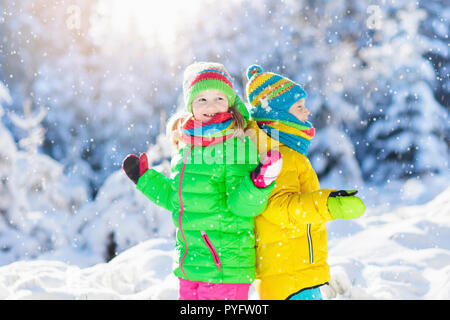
pixel 253 69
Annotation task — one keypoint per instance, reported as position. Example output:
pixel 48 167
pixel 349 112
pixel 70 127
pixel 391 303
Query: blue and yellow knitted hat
pixel 270 89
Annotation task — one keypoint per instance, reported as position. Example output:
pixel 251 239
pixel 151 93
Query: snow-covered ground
pixel 403 253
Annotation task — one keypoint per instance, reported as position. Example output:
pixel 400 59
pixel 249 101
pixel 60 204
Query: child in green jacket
pixel 218 187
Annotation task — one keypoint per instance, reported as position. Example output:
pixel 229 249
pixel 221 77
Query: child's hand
pixel 343 204
pixel 135 166
pixel 268 169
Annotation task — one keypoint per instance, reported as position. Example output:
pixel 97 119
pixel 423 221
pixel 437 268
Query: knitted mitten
pixel 135 166
pixel 268 169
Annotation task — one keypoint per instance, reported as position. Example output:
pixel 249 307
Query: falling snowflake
pixel 265 104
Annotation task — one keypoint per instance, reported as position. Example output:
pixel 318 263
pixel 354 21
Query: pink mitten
pixel 268 169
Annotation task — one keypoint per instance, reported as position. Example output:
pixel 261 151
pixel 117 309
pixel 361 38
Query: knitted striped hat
pixel 272 91
pixel 202 76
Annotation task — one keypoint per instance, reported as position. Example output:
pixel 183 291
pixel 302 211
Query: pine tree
pixel 405 123
pixel 36 199
pixel 436 28
pixel 32 125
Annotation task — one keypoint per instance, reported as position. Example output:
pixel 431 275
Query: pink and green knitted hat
pixel 202 76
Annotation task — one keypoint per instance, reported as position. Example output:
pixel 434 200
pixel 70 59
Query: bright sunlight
pixel 151 19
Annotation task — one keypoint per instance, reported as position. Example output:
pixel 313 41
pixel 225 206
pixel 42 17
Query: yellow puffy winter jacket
pixel 291 238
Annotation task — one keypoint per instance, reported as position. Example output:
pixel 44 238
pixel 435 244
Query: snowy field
pixel 399 254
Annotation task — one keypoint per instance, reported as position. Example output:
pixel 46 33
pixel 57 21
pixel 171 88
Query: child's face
pixel 208 103
pixel 299 110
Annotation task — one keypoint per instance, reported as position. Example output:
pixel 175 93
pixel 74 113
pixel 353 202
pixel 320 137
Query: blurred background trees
pixel 107 74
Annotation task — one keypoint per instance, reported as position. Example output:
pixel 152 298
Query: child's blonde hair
pixel 177 122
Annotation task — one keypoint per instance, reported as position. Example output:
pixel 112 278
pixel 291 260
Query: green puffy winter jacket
pixel 214 212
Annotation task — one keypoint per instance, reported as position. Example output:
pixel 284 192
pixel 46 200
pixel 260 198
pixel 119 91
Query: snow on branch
pixel 32 125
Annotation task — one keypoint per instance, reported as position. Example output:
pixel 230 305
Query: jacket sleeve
pixel 243 197
pixel 288 206
pixel 157 187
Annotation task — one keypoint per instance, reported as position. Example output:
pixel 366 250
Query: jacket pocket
pixel 212 250
pixel 310 244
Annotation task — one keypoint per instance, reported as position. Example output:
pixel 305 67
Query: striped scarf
pixel 218 129
pixel 294 135
pixel 284 127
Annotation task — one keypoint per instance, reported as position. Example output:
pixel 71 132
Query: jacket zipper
pixel 212 250
pixel 181 211
pixel 310 245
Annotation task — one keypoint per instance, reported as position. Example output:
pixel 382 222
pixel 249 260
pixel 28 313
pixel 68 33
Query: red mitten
pixel 135 166
pixel 143 164
pixel 268 169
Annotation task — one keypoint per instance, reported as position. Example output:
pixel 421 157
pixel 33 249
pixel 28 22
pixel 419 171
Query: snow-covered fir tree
pixel 404 123
pixel 37 200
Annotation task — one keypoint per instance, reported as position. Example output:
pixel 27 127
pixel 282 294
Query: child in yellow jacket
pixel 291 237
